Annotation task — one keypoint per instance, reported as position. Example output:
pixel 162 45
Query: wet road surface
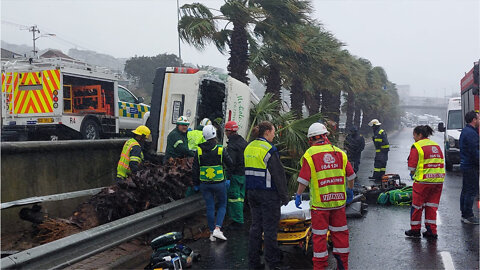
pixel 377 240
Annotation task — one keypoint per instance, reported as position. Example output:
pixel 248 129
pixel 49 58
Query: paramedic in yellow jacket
pixel 132 154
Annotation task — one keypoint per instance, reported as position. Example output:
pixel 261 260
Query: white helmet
pixel 209 132
pixel 317 129
pixel 374 122
pixel 205 122
pixel 183 120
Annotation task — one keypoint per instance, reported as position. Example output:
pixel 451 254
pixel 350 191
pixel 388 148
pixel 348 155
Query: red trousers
pixel 334 220
pixel 425 196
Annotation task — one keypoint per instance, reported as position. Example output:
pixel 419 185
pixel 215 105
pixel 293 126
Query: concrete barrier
pixel 31 169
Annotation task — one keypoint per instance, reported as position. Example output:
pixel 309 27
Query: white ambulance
pixel 62 98
pixel 197 94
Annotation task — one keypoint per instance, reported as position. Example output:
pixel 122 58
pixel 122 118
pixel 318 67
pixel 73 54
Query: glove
pixel 196 188
pixel 227 184
pixel 298 201
pixel 411 176
pixel 349 195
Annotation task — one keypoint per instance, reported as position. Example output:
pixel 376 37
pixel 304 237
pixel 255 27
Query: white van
pixel 452 132
pixel 197 94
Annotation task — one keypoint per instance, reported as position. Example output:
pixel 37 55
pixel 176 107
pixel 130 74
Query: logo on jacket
pixel 328 159
pixel 434 150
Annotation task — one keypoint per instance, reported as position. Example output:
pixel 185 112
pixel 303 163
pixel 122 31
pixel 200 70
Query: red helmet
pixel 231 126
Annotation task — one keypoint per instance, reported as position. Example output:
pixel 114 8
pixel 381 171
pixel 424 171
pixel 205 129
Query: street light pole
pixel 34 29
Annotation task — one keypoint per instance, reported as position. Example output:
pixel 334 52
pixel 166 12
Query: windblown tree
pixel 231 26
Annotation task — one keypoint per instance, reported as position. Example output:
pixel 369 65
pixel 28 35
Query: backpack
pixel 401 196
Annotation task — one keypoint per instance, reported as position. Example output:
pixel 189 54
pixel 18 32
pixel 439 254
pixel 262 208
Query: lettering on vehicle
pixel 331 181
pixel 334 196
pixel 72 120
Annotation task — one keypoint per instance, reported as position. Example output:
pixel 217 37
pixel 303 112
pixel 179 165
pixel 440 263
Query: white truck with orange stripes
pixel 60 98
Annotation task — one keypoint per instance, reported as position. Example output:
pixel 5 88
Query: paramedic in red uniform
pixel 426 166
pixel 325 168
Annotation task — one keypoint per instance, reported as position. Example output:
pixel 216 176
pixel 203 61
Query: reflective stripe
pixel 303 181
pixel 385 146
pixel 416 207
pixel 351 177
pixel 381 131
pixel 177 143
pixel 268 180
pixel 383 169
pixel 137 159
pixel 267 158
pixel 341 250
pixel 338 229
pixel 429 221
pixel 236 200
pixel 431 204
pixel 254 173
pixel 415 222
pixel 320 254
pixel 319 232
pixel 378 150
pixel 378 140
pixel 376 169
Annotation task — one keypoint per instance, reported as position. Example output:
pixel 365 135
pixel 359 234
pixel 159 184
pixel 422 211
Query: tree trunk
pixel 356 118
pixel 297 97
pixel 331 104
pixel 274 82
pixel 367 116
pixel 350 109
pixel 312 102
pixel 238 61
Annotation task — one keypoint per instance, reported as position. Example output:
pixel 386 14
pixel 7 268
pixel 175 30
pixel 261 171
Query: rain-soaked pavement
pixel 377 240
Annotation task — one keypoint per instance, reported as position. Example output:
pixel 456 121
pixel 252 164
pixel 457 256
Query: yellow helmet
pixel 142 130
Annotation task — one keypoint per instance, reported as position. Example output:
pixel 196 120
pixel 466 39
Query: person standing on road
pixel 208 177
pixel 354 145
pixel 469 165
pixel 132 154
pixel 267 191
pixel 426 165
pixel 325 168
pixel 236 193
pixel 382 147
pixel 177 141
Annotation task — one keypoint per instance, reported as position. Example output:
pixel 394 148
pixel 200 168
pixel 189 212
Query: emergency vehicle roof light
pixel 184 70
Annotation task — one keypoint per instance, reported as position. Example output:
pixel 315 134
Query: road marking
pixel 447 260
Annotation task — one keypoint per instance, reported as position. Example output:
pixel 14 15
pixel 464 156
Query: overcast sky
pixel 427 44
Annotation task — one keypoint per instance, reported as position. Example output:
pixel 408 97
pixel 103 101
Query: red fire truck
pixel 469 90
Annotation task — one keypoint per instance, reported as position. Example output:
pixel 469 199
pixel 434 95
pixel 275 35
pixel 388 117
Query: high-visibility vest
pixel 380 140
pixel 211 173
pixel 430 165
pixel 195 137
pixel 256 154
pixel 123 167
pixel 327 185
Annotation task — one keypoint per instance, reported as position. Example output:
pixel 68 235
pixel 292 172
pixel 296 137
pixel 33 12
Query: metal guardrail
pixel 49 198
pixel 74 248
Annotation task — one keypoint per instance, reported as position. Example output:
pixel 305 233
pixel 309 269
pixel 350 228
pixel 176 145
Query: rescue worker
pixel 426 166
pixel 132 154
pixel 382 147
pixel 177 142
pixel 236 145
pixel 325 168
pixel 267 191
pixel 354 145
pixel 468 143
pixel 195 137
pixel 208 176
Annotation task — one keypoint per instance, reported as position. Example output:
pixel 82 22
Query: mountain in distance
pixel 99 59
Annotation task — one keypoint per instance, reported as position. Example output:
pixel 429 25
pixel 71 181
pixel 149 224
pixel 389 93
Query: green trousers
pixel 236 196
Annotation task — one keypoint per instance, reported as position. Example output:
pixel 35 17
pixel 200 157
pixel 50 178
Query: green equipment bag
pixel 383 198
pixel 401 196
